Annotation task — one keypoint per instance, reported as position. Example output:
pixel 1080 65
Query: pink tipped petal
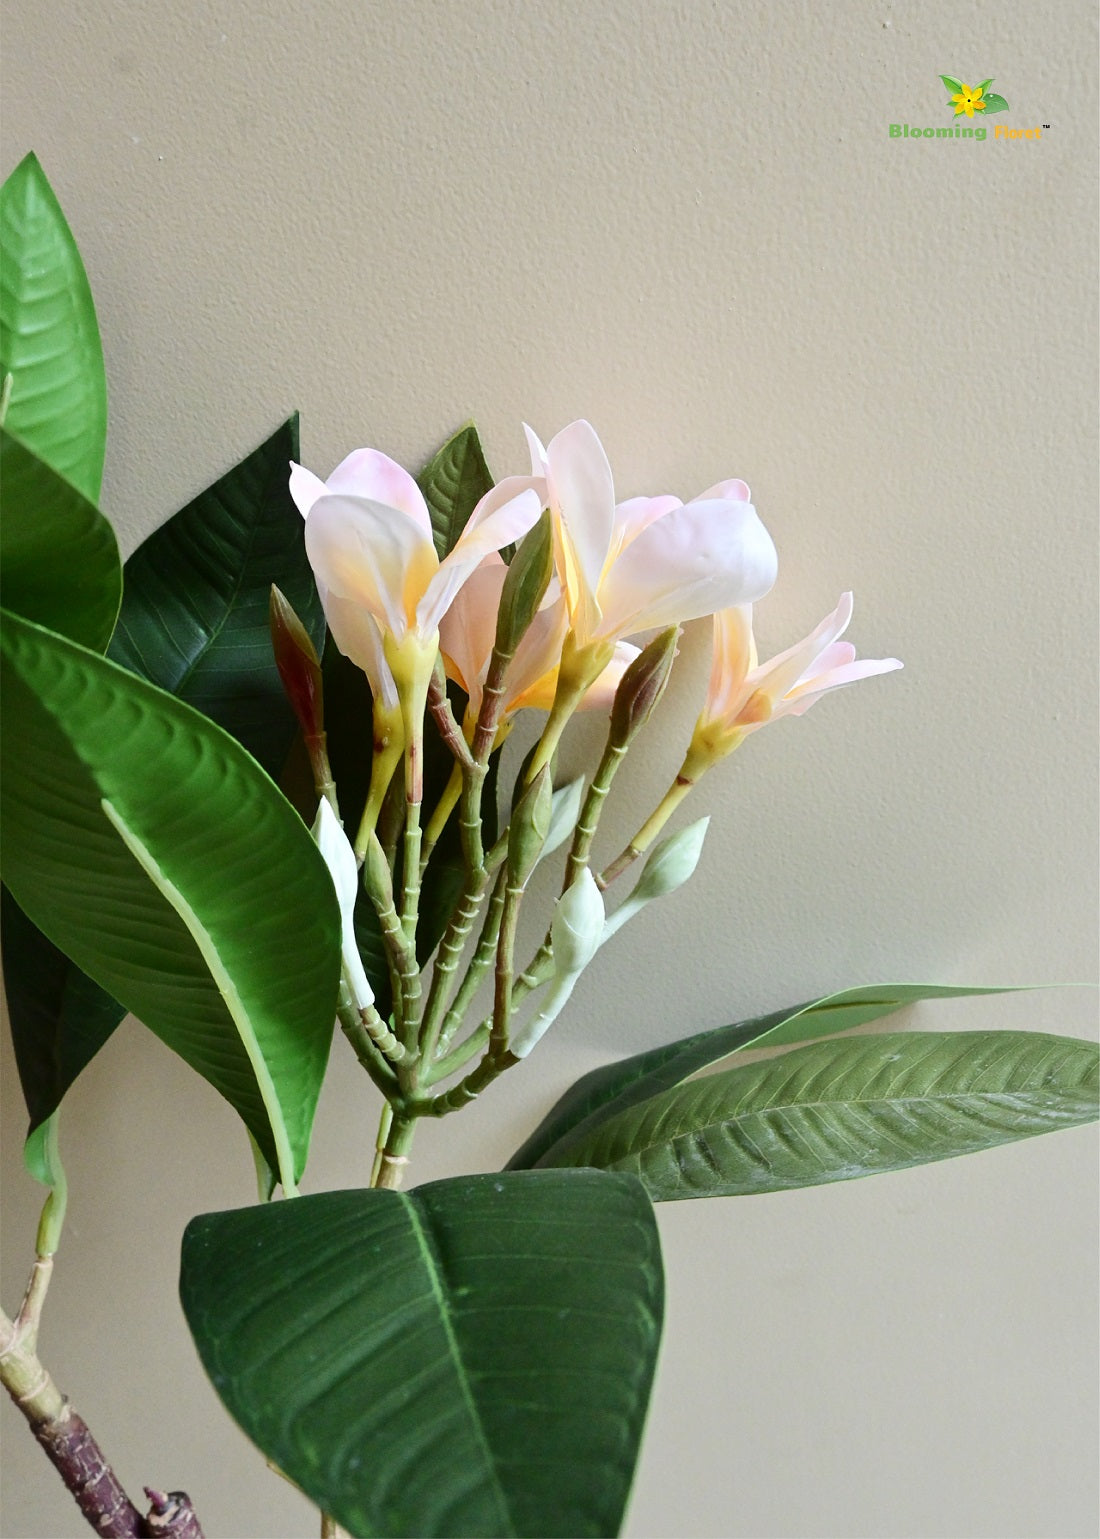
pixel 698 559
pixel 358 637
pixel 787 668
pixel 732 657
pixel 501 494
pixel 468 629
pixel 305 488
pixel 371 554
pixel 846 673
pixel 583 494
pixel 501 527
pixel 837 656
pixel 368 473
pixel 601 694
pixel 725 491
pixel 636 514
pixel 537 452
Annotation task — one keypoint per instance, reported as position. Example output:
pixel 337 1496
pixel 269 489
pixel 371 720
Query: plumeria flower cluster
pixel 585 616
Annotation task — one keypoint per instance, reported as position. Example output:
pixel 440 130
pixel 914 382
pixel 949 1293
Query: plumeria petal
pixel 371 474
pixel 374 554
pixel 787 668
pixel 733 656
pixel 636 514
pixel 582 494
pixel 356 633
pixel 305 488
pixel 499 527
pixel 537 451
pixel 725 491
pixel 699 558
pixel 800 699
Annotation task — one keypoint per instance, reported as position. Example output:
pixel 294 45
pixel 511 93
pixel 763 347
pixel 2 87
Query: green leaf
pixel 608 1090
pixel 42 1159
pixel 985 83
pixel 995 103
pixel 838 1110
pixel 453 483
pixel 49 338
pixel 953 85
pixel 59 1018
pixel 194 613
pixel 151 849
pixel 471 1358
pixel 58 554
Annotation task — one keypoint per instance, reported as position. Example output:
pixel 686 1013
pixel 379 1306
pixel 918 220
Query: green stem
pixel 589 819
pixel 384 1123
pixel 648 831
pixel 446 964
pixel 444 1067
pixel 478 966
pixel 395 1156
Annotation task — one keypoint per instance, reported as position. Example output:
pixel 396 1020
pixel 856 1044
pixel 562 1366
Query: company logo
pixel 963 99
pixel 969 106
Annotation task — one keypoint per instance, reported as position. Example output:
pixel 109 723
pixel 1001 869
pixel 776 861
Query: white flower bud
pixel 339 857
pixel 670 865
pixel 565 809
pixel 577 926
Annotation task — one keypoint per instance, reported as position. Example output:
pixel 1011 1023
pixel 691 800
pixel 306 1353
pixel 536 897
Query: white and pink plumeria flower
pixel 369 542
pixel 744 694
pixel 467 634
pixel 649 562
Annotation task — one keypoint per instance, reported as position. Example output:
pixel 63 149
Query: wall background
pixel 687 222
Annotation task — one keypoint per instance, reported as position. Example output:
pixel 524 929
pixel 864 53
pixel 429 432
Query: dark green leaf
pixel 49 338
pixel 453 483
pixel 606 1091
pixel 194 613
pixel 995 103
pixel 838 1110
pixel 59 1017
pixel 152 850
pixel 472 1358
pixel 59 560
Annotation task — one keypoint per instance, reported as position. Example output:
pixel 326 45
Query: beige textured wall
pixel 686 221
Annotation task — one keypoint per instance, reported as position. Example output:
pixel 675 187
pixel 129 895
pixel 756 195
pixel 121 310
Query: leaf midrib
pixel 434 1269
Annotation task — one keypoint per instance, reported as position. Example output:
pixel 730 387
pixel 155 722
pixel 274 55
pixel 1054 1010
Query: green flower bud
pixel 565 809
pixel 672 862
pixel 529 827
pixel 298 664
pixel 641 686
pixel 576 929
pixel 528 578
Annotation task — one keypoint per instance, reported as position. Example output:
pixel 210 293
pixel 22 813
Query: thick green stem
pixel 446 965
pixel 395 1156
pixel 478 966
pixel 589 819
pixel 648 831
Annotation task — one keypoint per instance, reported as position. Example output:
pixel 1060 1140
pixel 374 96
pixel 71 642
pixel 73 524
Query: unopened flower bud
pixel 298 664
pixel 577 927
pixel 339 857
pixel 565 809
pixel 672 862
pixel 641 686
pixel 529 827
pixel 525 584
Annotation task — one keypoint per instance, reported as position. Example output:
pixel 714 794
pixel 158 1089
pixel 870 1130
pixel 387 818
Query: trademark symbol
pixel 1046 125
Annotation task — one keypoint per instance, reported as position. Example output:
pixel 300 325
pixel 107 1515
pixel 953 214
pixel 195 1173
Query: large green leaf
pixel 59 562
pixel 49 339
pixel 838 1110
pixel 602 1093
pixel 59 1018
pixel 454 482
pixel 152 850
pixel 194 615
pixel 472 1358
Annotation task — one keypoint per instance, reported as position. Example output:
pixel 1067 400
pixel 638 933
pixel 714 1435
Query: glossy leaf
pixel 49 337
pixel 58 554
pixel 471 1358
pixel 953 85
pixel 59 1018
pixel 611 1089
pixel 454 482
pixel 839 1110
pixel 995 103
pixel 152 850
pixel 194 615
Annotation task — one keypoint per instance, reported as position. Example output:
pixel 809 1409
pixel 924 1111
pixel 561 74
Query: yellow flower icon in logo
pixel 972 99
pixel 968 101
